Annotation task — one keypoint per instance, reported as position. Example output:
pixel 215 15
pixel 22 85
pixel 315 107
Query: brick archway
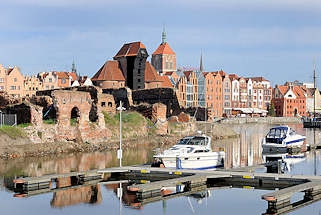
pixel 65 101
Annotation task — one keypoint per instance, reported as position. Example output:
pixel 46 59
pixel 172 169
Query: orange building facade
pixel 289 101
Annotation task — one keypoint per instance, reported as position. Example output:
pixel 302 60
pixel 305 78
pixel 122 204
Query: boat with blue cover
pixel 281 138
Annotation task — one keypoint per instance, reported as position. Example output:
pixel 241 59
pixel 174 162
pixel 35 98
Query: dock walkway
pixel 159 178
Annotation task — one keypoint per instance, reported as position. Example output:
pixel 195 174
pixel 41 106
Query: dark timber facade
pixel 132 59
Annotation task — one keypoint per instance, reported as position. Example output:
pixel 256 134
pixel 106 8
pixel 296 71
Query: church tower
pixel 164 58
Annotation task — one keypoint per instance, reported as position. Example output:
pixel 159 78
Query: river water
pixel 102 198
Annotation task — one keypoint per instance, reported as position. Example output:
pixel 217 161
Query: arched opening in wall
pixel 295 112
pixel 49 114
pixel 17 114
pixel 74 116
pixel 93 116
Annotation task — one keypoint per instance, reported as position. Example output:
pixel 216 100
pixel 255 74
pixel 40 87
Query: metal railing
pixel 8 119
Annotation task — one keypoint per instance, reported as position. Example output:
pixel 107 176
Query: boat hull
pixel 213 161
pixel 286 144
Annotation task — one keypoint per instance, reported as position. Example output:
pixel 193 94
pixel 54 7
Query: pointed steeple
pixel 201 63
pixel 73 69
pixel 164 36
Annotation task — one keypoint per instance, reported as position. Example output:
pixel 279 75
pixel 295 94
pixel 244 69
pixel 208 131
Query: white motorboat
pixel 192 152
pixel 281 138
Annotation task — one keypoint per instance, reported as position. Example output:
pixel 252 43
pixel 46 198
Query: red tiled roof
pixel 130 49
pixel 187 73
pixel 166 82
pixel 168 73
pixel 298 91
pixel 62 75
pixel 73 75
pixel 9 71
pixel 151 74
pixel 258 79
pixel 234 76
pixel 110 71
pixel 164 48
pixel 283 89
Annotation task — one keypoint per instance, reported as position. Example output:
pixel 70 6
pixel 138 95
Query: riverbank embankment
pixel 268 120
pixel 30 141
pixel 18 142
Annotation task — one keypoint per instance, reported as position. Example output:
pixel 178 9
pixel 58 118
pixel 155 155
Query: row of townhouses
pixel 225 94
pixel 221 92
pixel 16 84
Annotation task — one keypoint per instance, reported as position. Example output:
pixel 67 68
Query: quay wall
pixel 268 120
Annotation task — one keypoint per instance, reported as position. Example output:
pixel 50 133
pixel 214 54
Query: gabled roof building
pixel 164 58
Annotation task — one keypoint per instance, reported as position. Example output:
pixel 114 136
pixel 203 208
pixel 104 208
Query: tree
pixel 271 111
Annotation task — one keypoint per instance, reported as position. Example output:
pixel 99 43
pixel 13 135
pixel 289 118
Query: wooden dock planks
pixel 286 193
pixel 158 185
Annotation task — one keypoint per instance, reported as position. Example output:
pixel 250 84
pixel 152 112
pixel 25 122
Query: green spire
pixel 73 67
pixel 163 36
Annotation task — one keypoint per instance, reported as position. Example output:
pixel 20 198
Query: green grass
pixel 129 119
pixel 24 125
pixel 73 121
pixel 49 121
pixel 151 127
pixel 11 131
pixel 110 119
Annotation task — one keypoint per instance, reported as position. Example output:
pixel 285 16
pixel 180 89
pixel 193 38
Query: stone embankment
pixel 268 120
pixel 31 142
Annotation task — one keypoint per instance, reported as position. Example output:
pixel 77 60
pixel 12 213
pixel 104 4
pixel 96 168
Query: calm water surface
pixel 102 199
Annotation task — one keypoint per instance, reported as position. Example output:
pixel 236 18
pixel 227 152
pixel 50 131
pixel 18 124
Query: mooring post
pixel 120 152
pixel 178 163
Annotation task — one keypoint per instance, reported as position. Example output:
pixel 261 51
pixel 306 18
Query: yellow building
pixel 31 85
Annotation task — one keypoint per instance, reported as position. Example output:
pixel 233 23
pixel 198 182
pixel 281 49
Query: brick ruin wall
pixel 64 102
pixel 166 96
pixel 121 94
pixel 159 116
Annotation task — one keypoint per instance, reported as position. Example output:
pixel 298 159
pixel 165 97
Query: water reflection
pixel 240 152
pixel 282 162
pixel 74 196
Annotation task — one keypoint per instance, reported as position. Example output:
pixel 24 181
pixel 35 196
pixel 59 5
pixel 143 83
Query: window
pixel 52 87
pixel 103 104
pixel 1 80
pixel 15 79
pixel 1 87
pixel 47 88
pixel 138 80
pixel 63 81
pixel 50 80
pixel 12 87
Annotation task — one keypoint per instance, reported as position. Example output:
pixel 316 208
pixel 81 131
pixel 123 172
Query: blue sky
pixel 276 39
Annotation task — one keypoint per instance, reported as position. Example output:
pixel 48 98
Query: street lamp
pixel 119 151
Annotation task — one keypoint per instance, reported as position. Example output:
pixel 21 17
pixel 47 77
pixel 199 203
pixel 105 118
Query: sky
pixel 276 39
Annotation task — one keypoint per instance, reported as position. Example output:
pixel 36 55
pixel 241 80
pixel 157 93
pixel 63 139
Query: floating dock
pixel 153 182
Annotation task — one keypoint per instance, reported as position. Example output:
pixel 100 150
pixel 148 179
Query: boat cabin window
pixel 199 151
pixel 292 132
pixel 200 141
pixel 277 133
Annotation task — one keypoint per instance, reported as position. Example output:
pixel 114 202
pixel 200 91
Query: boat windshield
pixel 201 141
pixel 277 132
